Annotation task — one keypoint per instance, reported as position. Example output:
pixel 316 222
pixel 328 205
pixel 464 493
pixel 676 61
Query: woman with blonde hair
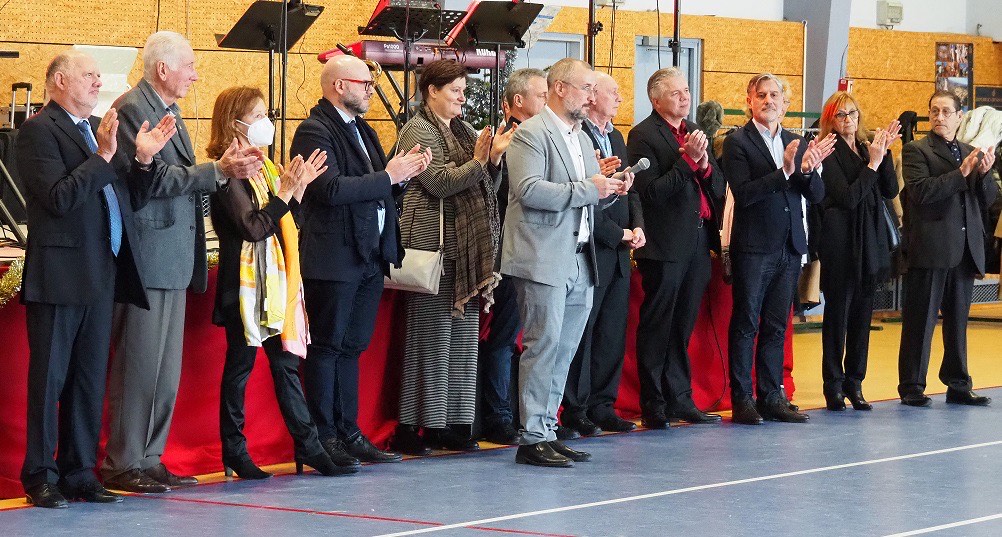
pixel 259 299
pixel 855 249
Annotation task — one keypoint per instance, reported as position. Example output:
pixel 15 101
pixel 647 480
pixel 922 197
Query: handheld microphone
pixel 640 166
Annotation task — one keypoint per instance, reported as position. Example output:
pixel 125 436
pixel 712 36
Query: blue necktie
pixel 114 211
pixel 381 211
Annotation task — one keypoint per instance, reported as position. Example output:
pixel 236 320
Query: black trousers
pixel 673 292
pixel 342 317
pixel 68 364
pixel 763 292
pixel 845 329
pixel 928 292
pixel 593 377
pixel 284 366
pixel 497 354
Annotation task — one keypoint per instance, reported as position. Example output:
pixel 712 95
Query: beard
pixel 580 113
pixel 356 105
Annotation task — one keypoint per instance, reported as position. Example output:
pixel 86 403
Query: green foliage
pixel 477 110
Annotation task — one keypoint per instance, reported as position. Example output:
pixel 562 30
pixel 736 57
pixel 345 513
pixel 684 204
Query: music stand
pixel 273 27
pixel 398 21
pixel 497 25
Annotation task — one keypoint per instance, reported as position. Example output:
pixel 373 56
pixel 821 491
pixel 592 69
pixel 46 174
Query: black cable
pixel 303 82
pixel 720 353
pixel 657 5
pixel 158 15
pixel 612 36
pixel 4 5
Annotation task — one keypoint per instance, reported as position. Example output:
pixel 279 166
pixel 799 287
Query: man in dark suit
pixel 80 259
pixel 593 377
pixel 349 237
pixel 146 369
pixel 771 172
pixel 678 192
pixel 949 187
pixel 524 97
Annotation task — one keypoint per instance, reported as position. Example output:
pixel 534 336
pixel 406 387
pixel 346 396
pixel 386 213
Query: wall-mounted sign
pixel 988 96
pixel 955 70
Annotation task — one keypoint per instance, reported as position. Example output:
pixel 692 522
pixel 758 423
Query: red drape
pixel 193 446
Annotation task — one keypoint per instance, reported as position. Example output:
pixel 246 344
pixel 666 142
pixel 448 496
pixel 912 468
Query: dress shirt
pixel 775 145
pixel 570 135
pixel 704 204
pixel 353 125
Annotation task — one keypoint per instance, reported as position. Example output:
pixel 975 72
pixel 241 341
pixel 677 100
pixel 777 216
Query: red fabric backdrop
pixel 193 446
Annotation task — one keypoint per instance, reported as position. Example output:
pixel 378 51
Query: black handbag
pixel 893 232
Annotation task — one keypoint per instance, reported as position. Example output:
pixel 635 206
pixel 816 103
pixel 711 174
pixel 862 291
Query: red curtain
pixel 193 446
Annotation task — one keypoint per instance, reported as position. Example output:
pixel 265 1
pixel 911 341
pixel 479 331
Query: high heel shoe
pixel 835 401
pixel 321 462
pixel 856 398
pixel 244 467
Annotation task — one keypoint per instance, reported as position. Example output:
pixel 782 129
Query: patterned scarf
pixel 271 286
pixel 478 226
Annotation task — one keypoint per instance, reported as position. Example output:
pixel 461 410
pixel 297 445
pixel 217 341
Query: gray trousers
pixel 144 378
pixel 554 319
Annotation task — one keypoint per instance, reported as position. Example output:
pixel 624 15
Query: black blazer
pixel 340 232
pixel 944 210
pixel 767 207
pixel 853 226
pixel 669 191
pixel 68 259
pixel 612 254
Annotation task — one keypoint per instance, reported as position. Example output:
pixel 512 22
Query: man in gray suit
pixel 555 185
pixel 146 368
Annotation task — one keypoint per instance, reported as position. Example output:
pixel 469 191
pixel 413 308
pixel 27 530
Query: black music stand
pixel 410 24
pixel 272 26
pixel 497 25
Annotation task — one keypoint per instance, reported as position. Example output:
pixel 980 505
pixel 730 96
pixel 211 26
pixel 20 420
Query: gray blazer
pixel 170 228
pixel 544 202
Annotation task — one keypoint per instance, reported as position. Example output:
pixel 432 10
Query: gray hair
pixel 757 80
pixel 163 46
pixel 655 84
pixel 518 83
pixel 562 69
pixel 60 64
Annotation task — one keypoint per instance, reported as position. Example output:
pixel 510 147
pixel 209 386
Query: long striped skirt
pixel 439 381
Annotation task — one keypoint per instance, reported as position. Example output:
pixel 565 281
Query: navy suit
pixel 343 257
pixel 767 242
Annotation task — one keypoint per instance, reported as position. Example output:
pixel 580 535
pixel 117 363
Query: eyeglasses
pixel 368 83
pixel 587 88
pixel 935 112
pixel 841 116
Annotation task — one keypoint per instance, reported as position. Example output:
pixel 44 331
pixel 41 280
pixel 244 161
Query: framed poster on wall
pixel 955 70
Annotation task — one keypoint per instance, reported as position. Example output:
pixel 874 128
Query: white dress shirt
pixel 570 135
pixel 775 145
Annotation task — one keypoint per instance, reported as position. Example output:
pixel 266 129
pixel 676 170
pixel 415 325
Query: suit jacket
pixel 944 210
pixel 69 259
pixel 545 202
pixel 612 253
pixel 340 230
pixel 170 227
pixel 670 193
pixel 767 210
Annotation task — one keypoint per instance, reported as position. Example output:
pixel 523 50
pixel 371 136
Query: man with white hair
pixel 80 201
pixel 349 238
pixel 146 368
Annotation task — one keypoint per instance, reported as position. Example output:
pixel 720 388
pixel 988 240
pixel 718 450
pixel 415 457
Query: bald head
pixel 339 81
pixel 607 100
pixel 73 81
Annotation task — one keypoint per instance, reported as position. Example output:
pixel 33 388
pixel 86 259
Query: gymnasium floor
pixel 893 471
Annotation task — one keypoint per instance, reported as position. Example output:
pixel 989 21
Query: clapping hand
pixel 310 169
pixel 608 165
pixel 149 141
pixel 291 176
pixel 500 144
pixel 404 166
pixel 882 140
pixel 107 135
pixel 695 145
pixel 241 162
pixel 987 161
pixel 817 151
pixel 482 149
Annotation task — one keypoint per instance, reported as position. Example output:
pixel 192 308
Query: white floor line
pixel 688 489
pixel 931 529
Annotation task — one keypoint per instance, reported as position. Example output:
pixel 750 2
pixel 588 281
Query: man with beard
pixel 349 237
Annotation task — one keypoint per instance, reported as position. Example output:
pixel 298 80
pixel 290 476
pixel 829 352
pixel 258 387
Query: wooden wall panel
pixel 91 22
pixel 884 100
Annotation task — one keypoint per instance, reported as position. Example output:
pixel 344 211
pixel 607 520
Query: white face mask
pixel 261 133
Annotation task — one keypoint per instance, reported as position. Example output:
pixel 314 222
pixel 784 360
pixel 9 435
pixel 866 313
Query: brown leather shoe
pixel 135 481
pixel 161 474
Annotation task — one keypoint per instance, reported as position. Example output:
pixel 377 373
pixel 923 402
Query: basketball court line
pixel 959 524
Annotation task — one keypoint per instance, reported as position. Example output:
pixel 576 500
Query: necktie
pixel 381 210
pixel 114 211
pixel 955 149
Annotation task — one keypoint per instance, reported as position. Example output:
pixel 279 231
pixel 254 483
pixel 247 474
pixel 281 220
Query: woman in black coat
pixel 855 247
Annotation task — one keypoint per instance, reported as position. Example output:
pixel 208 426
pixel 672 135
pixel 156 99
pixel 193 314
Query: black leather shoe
pixel 503 434
pixel 407 440
pixel 957 397
pixel 778 409
pixel 362 449
pixel 916 399
pixel 450 440
pixel 322 463
pixel 654 421
pixel 855 397
pixel 91 492
pixel 581 424
pixel 616 424
pixel 566 433
pixel 46 495
pixel 161 474
pixel 244 467
pixel 572 454
pixel 743 411
pixel 694 415
pixel 338 453
pixel 135 481
pixel 835 401
pixel 541 454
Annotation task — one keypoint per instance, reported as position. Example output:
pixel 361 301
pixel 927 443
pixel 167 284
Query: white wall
pixel 919 15
pixel 988 13
pixel 739 9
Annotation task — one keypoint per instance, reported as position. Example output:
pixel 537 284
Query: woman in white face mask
pixel 259 289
